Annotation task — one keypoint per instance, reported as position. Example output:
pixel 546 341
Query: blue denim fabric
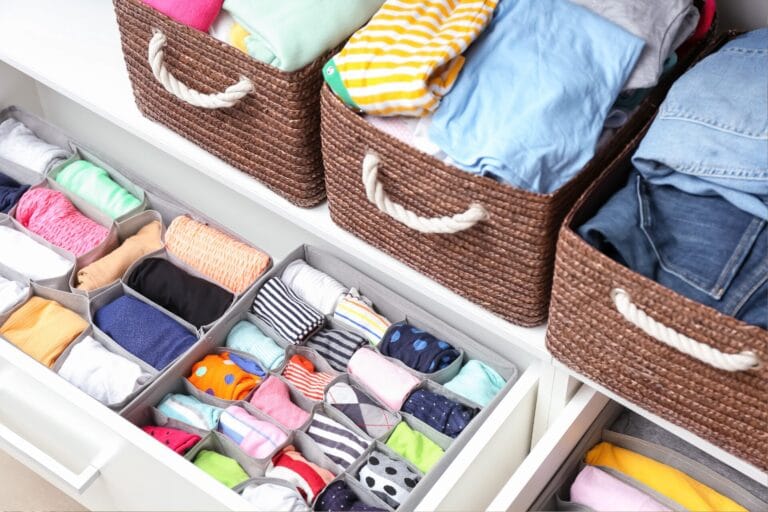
pixel 702 247
pixel 530 102
pixel 711 134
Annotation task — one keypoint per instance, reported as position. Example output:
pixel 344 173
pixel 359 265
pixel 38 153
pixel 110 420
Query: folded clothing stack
pixel 20 145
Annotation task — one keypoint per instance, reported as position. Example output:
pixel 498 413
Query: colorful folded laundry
pixel 224 469
pixel 301 372
pixel 177 440
pixel 248 338
pixel 274 399
pixel 415 447
pixel 316 288
pixel 388 382
pixel 93 184
pixel 190 410
pixel 417 348
pixel 291 466
pixel 598 490
pixel 218 375
pixel 257 438
pixel 476 381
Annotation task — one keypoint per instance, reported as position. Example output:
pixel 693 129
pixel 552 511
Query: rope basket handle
pixel 374 190
pixel 225 99
pixel 743 361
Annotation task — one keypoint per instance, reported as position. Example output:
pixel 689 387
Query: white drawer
pixel 106 463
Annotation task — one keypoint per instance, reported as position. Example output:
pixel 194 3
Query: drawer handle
pixel 374 190
pixel 78 481
pixel 225 99
pixel 746 360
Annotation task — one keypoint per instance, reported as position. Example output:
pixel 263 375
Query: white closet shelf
pixel 83 61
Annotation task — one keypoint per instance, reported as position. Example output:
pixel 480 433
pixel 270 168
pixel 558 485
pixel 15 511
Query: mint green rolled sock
pixel 94 185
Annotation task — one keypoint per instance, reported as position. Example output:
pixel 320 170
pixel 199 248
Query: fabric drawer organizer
pixel 270 132
pixel 503 262
pixel 630 431
pixel 148 407
pixel 588 333
pixel 44 270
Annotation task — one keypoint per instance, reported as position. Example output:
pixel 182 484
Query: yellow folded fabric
pixel 43 329
pixel 112 266
pixel 237 35
pixel 667 481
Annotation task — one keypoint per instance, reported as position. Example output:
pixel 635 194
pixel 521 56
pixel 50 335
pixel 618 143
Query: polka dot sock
pixel 389 479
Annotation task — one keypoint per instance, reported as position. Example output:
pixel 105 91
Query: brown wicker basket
pixel 272 133
pixel 588 334
pixel 504 263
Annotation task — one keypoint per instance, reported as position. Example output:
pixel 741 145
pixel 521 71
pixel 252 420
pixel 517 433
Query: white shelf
pixel 74 48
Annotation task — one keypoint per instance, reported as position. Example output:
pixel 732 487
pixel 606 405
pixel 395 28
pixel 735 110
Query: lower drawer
pixel 106 463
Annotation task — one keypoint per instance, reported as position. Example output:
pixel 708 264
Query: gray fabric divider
pixel 349 379
pixel 106 246
pixel 165 255
pixel 83 154
pixel 125 229
pixel 59 282
pixel 632 424
pixel 42 129
pixel 19 173
pixel 222 445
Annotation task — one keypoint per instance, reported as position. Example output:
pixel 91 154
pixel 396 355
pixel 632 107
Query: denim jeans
pixel 711 134
pixel 702 247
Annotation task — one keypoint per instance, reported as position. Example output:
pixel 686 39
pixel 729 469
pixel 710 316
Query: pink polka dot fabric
pixel 51 215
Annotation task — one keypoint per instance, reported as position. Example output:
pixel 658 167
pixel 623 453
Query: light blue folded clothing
pixel 248 338
pixel 290 35
pixel 476 381
pixel 190 410
pixel 532 98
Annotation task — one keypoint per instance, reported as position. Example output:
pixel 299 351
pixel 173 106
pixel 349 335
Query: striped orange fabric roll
pixel 216 255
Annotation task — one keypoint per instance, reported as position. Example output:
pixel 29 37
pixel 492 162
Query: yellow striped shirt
pixel 408 56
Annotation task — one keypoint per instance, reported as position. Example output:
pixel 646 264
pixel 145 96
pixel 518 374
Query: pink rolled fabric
pixel 52 216
pixel 602 492
pixel 197 14
pixel 273 398
pixel 388 382
pixel 257 438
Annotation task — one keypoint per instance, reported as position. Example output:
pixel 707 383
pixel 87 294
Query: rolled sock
pixel 111 267
pixel 339 496
pixel 270 497
pixel 316 288
pixel 356 313
pixel 224 469
pixel 336 345
pixel 216 255
pixel 285 312
pixel 308 477
pixel 190 410
pixel 247 365
pixel 248 338
pixel 389 383
pixel 361 409
pixel 10 192
pixel 417 348
pixel 219 376
pixel 598 490
pixel 94 185
pixel 439 412
pixel 257 438
pixel 42 329
pixel 19 144
pixel 476 381
pixel 109 378
pixel 196 300
pixel 274 399
pixel 339 443
pixel 198 14
pixel 11 294
pixel 415 447
pixel 144 331
pixel 52 216
pixel 300 372
pixel 389 479
pixel 30 258
pixel 175 439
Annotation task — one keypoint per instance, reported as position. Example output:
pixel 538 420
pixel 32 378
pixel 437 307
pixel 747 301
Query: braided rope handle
pixel 746 360
pixel 374 190
pixel 225 99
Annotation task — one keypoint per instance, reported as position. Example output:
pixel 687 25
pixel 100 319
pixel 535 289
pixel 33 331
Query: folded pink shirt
pixel 273 398
pixel 388 382
pixel 602 492
pixel 197 14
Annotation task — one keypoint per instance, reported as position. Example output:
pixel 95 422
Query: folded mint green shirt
pixel 290 35
pixel 94 185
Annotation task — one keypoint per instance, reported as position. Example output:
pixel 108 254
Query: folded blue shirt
pixel 532 98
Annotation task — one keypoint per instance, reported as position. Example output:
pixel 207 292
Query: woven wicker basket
pixel 588 333
pixel 503 262
pixel 271 133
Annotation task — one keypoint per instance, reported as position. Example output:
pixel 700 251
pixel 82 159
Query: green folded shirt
pixel 95 186
pixel 415 447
